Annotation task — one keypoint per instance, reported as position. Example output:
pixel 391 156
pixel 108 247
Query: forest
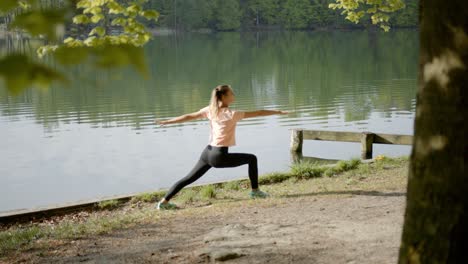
pixel 246 15
pixel 226 15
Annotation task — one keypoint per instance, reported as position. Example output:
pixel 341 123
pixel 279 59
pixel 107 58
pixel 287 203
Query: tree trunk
pixel 436 218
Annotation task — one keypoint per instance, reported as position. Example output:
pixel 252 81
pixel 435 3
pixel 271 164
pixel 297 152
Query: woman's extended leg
pixel 200 168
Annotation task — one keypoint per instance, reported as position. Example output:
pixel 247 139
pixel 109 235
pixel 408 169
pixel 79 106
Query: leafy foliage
pixel 124 16
pixel 115 38
pixel 379 10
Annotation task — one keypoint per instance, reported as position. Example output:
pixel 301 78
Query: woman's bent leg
pixel 200 168
pixel 228 160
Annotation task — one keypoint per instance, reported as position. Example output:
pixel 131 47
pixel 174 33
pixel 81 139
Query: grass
pixel 208 192
pixel 232 185
pixel 303 178
pixel 148 197
pixel 109 204
pixel 10 240
pixel 187 195
pixel 274 177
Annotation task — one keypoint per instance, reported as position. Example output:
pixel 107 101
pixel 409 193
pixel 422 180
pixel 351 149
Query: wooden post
pixel 367 139
pixel 296 157
pixel 296 141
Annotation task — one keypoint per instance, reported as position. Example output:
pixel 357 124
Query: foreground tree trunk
pixel 436 219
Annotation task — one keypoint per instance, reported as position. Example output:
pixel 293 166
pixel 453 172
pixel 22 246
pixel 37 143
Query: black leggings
pixel 217 157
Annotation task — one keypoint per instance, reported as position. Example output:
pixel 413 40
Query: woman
pixel 223 122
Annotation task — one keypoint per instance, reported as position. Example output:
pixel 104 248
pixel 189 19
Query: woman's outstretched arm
pixel 180 119
pixel 264 113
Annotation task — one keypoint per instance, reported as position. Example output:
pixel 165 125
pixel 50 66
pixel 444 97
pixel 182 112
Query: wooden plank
pixel 393 139
pixel 332 135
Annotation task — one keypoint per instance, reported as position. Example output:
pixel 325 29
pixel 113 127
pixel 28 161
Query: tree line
pixel 239 15
pixel 244 15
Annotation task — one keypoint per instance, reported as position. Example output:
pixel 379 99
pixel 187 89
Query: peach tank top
pixel 223 130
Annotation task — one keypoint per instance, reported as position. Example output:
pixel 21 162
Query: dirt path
pixel 347 227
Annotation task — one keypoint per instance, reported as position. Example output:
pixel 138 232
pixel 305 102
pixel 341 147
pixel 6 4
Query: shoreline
pixel 169 31
pixel 383 177
pixel 32 214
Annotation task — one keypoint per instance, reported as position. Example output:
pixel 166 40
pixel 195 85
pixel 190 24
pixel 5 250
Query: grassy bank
pixel 345 177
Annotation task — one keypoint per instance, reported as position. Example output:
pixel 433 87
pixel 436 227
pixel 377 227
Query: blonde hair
pixel 216 96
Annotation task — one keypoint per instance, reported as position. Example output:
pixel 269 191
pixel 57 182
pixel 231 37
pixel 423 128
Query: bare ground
pixel 359 220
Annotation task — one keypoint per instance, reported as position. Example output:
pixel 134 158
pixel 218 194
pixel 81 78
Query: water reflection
pixel 97 136
pixel 323 75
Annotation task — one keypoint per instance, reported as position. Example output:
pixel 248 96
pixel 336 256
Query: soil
pixel 361 227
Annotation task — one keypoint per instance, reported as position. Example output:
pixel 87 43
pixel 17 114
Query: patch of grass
pixel 109 204
pixel 22 238
pixel 187 195
pixel 342 166
pixel 274 177
pixel 208 192
pixel 363 169
pixel 346 165
pixel 383 161
pixel 14 239
pixel 148 197
pixel 232 185
pixel 307 170
pixel 329 172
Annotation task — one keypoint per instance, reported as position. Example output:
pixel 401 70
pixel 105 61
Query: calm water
pixel 96 138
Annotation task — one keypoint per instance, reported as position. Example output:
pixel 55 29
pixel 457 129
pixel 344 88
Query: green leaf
pixel 44 50
pixel 141 39
pixel 91 41
pixel 96 18
pixel 133 10
pixel 115 8
pixel 150 14
pixel 386 28
pixel 68 40
pixel 71 42
pixel 83 4
pixel 81 19
pixel 120 21
pixel 24 5
pixel 91 3
pixel 93 10
pixel 100 31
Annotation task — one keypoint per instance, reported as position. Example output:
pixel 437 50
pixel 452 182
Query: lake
pixel 97 138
